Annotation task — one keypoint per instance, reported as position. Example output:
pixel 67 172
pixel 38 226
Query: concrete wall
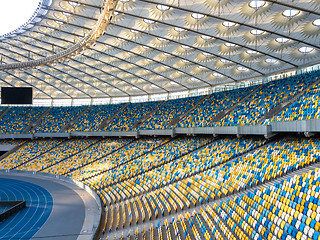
pixel 300 126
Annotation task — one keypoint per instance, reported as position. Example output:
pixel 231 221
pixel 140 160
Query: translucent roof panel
pixel 160 47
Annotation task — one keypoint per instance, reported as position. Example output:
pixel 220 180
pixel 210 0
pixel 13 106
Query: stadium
pixel 160 119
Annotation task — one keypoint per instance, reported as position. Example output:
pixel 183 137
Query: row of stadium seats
pixel 130 115
pixel 28 151
pixel 168 200
pixel 88 156
pixel 248 111
pixel 123 151
pixel 57 118
pixel 141 162
pixel 17 142
pixel 91 120
pixel 116 159
pixel 287 210
pixel 203 158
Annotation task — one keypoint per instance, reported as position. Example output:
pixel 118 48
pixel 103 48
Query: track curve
pixel 55 209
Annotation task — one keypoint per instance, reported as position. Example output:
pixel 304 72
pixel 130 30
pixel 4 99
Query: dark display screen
pixel 16 95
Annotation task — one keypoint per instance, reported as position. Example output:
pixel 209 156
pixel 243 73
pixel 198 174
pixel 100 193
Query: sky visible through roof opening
pixel 14 13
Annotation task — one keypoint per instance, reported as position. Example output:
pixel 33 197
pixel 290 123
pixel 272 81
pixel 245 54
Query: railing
pixel 14 207
pixel 308 127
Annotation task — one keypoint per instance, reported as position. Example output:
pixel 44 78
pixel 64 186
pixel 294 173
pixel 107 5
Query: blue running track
pixel 25 223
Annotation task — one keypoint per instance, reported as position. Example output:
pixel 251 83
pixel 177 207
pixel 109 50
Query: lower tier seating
pixel 28 151
pixel 287 210
pixel 119 161
pixel 66 150
pixel 190 187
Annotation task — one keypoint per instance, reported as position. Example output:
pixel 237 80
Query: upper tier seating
pixel 204 113
pixel 125 120
pixel 171 109
pixel 269 96
pixel 306 107
pixel 57 118
pixel 91 120
pixel 2 109
pixel 249 105
pixel 18 118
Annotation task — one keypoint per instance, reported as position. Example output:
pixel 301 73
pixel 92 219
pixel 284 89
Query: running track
pixel 28 221
pixel 55 210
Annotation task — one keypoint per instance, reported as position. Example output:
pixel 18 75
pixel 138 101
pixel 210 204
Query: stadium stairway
pixel 12 150
pixel 4 112
pixel 110 153
pixel 163 163
pixel 70 124
pixel 166 206
pixel 125 161
pixel 75 153
pixel 47 150
pixel 109 120
pixel 274 111
pixel 36 123
pixel 198 234
pixel 145 118
pixel 179 118
pixel 228 110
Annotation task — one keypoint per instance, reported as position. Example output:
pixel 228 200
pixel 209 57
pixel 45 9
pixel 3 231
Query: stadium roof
pixel 108 49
